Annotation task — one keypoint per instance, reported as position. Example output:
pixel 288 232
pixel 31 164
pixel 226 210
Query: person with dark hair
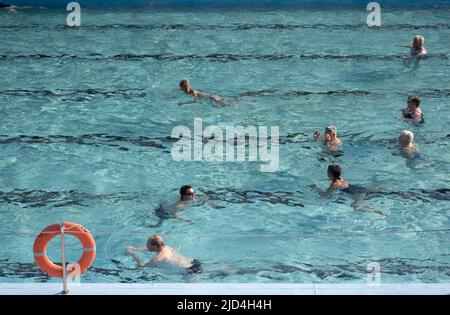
pixel 185 86
pixel 165 255
pixel 413 112
pixel 164 212
pixel 338 183
pixel 187 193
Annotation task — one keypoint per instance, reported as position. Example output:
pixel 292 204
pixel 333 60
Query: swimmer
pixel 165 256
pixel 417 48
pixel 413 112
pixel 185 86
pixel 338 183
pixel 407 147
pixel 187 194
pixel 330 138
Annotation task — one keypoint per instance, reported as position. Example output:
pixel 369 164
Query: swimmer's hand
pixel 317 135
pixel 130 250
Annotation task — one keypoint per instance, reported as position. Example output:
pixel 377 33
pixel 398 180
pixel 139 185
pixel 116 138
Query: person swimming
pixel 330 138
pixel 185 86
pixel 187 194
pixel 166 256
pixel 407 146
pixel 413 112
pixel 338 183
pixel 417 49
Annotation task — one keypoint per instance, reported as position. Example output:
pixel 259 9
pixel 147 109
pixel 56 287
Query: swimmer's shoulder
pixel 342 184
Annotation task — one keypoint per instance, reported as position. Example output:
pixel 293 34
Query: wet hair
pixel 183 83
pixel 184 189
pixel 414 99
pixel 335 170
pixel 155 240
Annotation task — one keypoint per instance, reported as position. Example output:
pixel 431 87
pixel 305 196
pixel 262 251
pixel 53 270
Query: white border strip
pixel 225 289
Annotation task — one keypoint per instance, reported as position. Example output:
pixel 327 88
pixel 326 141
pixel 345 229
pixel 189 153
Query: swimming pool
pixel 87 114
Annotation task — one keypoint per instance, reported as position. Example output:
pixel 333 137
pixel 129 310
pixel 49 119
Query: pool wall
pixel 59 3
pixel 225 289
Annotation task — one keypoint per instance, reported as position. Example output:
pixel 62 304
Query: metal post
pixel 63 259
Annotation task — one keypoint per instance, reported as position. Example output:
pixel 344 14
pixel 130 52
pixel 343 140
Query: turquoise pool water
pixel 86 117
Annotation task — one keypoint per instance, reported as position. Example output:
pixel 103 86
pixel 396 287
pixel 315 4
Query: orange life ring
pixel 42 240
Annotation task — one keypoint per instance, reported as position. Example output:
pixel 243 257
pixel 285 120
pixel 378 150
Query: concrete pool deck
pixel 224 289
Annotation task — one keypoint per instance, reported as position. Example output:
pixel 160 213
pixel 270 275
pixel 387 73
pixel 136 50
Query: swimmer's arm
pixel 328 191
pixel 317 136
pixel 417 116
pixel 139 261
pixel 321 192
pixel 136 249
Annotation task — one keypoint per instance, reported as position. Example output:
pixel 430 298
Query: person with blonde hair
pixel 407 146
pixel 329 138
pixel 165 255
pixel 417 49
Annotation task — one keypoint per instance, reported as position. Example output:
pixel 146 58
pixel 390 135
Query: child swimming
pixel 330 138
pixel 185 86
pixel 417 49
pixel 413 112
pixel 338 183
pixel 166 256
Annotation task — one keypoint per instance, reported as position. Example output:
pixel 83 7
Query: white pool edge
pixel 224 289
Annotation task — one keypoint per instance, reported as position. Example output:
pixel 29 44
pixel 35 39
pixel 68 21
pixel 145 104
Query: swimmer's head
pixel 185 85
pixel 187 193
pixel 413 102
pixel 155 243
pixel 330 133
pixel 406 138
pixel 418 41
pixel 334 172
pixel 331 130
